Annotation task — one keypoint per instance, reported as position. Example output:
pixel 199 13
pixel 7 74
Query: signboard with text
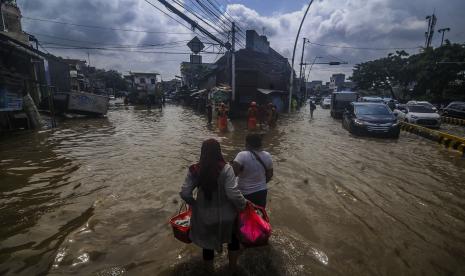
pixel 10 101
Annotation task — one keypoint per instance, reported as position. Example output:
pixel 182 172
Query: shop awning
pixel 270 91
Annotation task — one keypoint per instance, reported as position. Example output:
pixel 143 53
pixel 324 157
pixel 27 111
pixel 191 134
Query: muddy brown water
pixel 93 197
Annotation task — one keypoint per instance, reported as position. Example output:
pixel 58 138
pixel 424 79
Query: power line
pixel 153 5
pixel 161 46
pixel 100 27
pixel 180 4
pixel 362 48
pixel 127 50
pixel 109 45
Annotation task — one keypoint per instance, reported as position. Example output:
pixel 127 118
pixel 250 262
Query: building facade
pixel 262 74
pixel 336 82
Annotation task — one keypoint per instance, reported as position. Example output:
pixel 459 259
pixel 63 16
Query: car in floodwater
pixel 420 114
pixel 425 103
pixel 455 109
pixel 326 103
pixel 365 118
pixel 372 99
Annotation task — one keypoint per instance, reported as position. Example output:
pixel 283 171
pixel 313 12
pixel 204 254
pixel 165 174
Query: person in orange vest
pixel 252 116
pixel 223 117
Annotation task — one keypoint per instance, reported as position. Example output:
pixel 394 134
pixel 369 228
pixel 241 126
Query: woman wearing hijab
pixel 216 205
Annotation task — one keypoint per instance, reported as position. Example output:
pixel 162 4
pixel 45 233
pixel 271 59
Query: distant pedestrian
pixel 209 111
pixel 262 115
pixel 254 169
pixel 252 116
pixel 312 108
pixel 272 115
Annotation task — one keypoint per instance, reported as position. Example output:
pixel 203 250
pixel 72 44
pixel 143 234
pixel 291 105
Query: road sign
pixel 195 45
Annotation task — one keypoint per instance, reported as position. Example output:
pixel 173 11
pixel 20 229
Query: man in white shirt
pixel 252 168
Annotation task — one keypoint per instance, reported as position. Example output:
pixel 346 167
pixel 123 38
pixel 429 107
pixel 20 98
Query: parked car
pixel 340 101
pixel 373 99
pixel 326 103
pixel 455 109
pixel 370 118
pixel 420 114
pixel 425 103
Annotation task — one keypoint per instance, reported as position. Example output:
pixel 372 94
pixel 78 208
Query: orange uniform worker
pixel 252 116
pixel 223 117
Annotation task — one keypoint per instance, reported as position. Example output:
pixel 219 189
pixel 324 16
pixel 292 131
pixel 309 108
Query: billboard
pixel 10 101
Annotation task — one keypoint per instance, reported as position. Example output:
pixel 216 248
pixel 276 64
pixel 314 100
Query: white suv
pixel 421 115
pixel 425 103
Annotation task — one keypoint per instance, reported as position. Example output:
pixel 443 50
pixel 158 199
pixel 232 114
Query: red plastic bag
pixel 254 230
pixel 181 225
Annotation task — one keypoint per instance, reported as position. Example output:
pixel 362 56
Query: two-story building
pixel 262 74
pixel 336 82
pixel 142 86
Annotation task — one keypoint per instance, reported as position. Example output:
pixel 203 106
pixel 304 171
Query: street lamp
pixel 293 55
pixel 328 63
pixel 308 76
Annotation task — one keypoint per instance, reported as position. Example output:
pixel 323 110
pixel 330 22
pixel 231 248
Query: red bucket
pixel 181 231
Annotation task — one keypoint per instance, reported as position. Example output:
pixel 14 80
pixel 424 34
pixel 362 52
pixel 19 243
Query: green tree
pixel 382 74
pixel 434 74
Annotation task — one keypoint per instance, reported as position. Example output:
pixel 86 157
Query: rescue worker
pixel 223 117
pixel 252 116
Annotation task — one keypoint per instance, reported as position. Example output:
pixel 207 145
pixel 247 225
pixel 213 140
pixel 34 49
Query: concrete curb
pixel 454 121
pixel 448 140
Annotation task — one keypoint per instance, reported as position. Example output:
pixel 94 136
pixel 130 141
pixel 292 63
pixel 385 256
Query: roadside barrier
pixel 448 140
pixel 452 120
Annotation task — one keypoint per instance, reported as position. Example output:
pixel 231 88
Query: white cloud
pixel 353 23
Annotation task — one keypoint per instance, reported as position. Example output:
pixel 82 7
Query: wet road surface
pixel 93 197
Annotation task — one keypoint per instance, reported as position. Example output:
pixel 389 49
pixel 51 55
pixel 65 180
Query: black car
pixel 370 118
pixel 455 109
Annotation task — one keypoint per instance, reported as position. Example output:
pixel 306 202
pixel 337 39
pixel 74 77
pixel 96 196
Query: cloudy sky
pixel 133 35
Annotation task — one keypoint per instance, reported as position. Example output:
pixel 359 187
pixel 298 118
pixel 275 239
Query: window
pixel 152 81
pixel 142 80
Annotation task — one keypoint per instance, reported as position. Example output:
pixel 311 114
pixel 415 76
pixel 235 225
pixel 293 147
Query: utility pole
pixel 429 33
pixel 301 64
pixel 443 30
pixel 233 62
pixel 291 82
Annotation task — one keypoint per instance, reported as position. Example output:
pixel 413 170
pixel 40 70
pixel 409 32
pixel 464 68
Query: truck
pixel 340 101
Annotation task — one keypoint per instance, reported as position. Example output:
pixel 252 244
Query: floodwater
pixel 93 197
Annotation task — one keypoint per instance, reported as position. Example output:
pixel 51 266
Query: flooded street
pixel 94 197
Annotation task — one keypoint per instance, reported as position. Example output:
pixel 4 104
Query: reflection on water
pixel 94 197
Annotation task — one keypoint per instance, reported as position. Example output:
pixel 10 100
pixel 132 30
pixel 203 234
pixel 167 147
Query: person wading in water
pixel 218 202
pixel 253 168
pixel 312 108
pixel 223 117
pixel 209 111
pixel 252 116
